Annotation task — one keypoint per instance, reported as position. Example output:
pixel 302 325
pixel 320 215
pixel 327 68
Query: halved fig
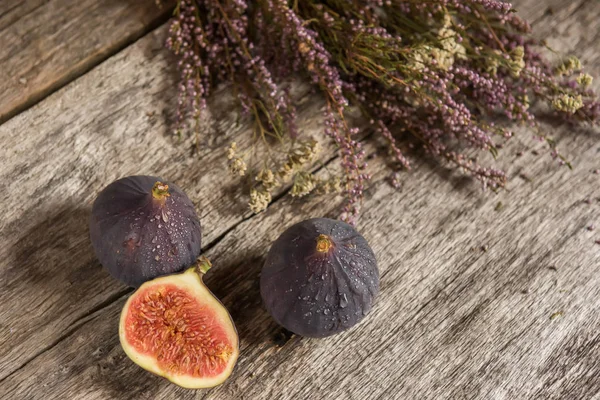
pixel 174 327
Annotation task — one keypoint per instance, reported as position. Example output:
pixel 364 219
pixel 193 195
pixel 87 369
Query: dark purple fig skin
pixel 138 237
pixel 318 294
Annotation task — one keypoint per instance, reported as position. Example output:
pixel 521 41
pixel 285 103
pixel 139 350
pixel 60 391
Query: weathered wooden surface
pixel 453 321
pixel 122 131
pixel 46 44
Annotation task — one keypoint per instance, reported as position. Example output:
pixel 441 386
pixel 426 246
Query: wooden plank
pixel 46 44
pixel 462 322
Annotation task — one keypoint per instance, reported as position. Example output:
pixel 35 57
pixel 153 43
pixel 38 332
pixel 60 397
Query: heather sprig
pixel 455 75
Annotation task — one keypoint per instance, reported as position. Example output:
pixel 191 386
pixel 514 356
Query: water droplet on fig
pixel 165 217
pixel 327 297
pixel 154 239
pixel 343 300
pixel 160 225
pixel 308 314
pixel 326 311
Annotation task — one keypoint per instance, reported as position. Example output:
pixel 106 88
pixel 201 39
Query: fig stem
pixel 203 264
pixel 324 243
pixel 160 191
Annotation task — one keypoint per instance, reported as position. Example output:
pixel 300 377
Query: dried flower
pixel 517 64
pixel 267 178
pixel 492 63
pixel 395 181
pixel 420 58
pixel 285 172
pixel 259 200
pixel 237 166
pixel 585 80
pixel 334 185
pixel 305 152
pixel 567 103
pixel 304 183
pixel 450 48
pixel 327 186
pixel 571 64
pixel 231 151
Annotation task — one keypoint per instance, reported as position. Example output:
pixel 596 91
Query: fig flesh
pixel 143 227
pixel 174 327
pixel 320 277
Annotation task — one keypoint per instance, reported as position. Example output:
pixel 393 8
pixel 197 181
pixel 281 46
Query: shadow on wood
pixel 58 238
pixel 237 284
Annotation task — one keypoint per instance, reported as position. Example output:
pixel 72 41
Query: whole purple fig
pixel 320 278
pixel 143 227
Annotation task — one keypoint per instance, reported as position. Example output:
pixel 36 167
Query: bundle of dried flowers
pixel 442 71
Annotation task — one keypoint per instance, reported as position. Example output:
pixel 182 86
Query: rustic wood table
pixel 477 300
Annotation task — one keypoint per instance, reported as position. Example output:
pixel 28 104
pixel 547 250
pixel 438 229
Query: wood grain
pixel 46 44
pixel 48 267
pixel 453 321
